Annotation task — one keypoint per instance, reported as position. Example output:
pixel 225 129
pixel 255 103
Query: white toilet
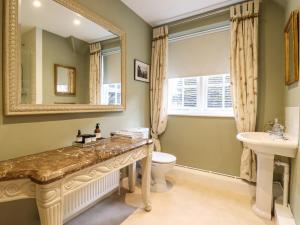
pixel 161 164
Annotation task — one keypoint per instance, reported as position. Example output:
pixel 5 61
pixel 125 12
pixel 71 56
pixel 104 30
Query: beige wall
pixel 292 98
pixel 209 142
pixel 24 135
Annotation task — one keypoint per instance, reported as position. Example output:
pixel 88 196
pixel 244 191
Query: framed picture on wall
pixel 141 71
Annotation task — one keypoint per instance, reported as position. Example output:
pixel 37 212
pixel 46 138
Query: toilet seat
pixel 161 157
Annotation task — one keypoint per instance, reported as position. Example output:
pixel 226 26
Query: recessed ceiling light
pixel 36 3
pixel 76 22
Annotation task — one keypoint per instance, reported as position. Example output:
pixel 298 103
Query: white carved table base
pixel 49 197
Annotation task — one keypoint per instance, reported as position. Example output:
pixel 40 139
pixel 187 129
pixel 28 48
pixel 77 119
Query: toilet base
pixel 161 187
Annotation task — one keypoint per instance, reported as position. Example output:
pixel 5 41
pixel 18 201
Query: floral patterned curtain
pixel 158 84
pixel 95 74
pixel 244 73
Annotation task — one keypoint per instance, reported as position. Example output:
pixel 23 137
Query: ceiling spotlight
pixel 36 3
pixel 76 22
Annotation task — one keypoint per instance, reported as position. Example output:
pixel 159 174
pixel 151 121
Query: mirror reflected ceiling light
pixel 76 22
pixel 36 3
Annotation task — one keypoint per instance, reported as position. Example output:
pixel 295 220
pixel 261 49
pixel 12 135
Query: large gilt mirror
pixel 60 58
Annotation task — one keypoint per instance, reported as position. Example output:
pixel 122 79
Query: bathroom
pixel 206 177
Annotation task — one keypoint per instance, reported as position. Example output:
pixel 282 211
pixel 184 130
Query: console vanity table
pixel 67 180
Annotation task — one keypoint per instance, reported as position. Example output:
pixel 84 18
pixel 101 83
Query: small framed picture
pixel 141 71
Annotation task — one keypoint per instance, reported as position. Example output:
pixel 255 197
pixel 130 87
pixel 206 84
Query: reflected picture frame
pixel 141 71
pixel 72 81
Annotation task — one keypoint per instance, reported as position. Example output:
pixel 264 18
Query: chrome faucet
pixel 277 129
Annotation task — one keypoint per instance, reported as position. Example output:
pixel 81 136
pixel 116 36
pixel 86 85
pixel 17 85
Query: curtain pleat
pixel 158 84
pixel 95 73
pixel 244 73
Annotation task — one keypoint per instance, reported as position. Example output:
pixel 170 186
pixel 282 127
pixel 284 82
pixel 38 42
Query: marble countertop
pixel 49 166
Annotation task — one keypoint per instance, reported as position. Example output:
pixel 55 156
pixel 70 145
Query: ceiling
pixel 57 19
pixel 157 12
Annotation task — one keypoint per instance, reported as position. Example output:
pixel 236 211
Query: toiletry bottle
pixel 98 131
pixel 79 137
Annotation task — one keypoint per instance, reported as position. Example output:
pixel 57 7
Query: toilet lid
pixel 161 157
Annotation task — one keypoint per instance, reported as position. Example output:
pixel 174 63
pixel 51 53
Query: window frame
pixel 202 109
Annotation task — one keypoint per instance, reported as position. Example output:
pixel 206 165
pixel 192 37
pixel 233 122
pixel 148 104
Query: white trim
pixel 220 181
pixel 110 51
pixel 283 215
pixel 197 32
pixel 225 114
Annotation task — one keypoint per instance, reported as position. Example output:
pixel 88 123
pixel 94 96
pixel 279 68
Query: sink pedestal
pixel 264 185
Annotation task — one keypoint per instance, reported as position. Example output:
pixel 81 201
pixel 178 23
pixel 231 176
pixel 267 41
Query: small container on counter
pixel 94 137
pixel 98 131
pixel 86 138
pixel 79 137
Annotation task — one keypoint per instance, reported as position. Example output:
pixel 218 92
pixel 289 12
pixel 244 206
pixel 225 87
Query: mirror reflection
pixel 66 58
pixel 65 80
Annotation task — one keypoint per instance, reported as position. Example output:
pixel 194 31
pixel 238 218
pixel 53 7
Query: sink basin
pixel 262 142
pixel 266 146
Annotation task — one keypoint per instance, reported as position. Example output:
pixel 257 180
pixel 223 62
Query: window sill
pixel 223 115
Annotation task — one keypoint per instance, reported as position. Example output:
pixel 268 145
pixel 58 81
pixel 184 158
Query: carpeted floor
pixel 110 211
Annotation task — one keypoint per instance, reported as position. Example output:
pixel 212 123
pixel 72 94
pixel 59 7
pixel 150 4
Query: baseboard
pixel 283 214
pixel 220 181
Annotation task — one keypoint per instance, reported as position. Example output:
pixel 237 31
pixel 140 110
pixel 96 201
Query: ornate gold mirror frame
pixel 291 44
pixel 11 64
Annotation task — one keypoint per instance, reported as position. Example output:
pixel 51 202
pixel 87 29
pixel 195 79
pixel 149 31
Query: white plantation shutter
pixel 183 93
pixel 209 95
pixel 190 92
pixel 214 91
pixel 218 92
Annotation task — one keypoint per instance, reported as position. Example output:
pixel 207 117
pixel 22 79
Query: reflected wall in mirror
pixel 66 57
pixel 291 39
pixel 64 80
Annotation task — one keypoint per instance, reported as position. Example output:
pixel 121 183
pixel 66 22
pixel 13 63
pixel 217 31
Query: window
pixel 111 94
pixel 201 95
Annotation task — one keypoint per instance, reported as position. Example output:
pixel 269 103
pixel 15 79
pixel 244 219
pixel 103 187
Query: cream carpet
pixel 189 202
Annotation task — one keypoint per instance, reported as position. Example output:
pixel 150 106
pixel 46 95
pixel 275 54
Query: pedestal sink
pixel 266 146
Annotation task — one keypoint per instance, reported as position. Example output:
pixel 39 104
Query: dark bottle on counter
pixel 79 137
pixel 98 131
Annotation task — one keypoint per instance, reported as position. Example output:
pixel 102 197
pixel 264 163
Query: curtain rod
pixel 198 33
pixel 202 15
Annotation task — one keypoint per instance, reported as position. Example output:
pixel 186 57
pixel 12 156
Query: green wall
pixel 24 135
pixel 292 98
pixel 210 143
pixel 59 50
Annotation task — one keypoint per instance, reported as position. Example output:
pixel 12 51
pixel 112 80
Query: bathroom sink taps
pixel 277 129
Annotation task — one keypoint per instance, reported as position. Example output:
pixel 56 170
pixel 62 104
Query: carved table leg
pixel 50 203
pixel 132 177
pixel 146 180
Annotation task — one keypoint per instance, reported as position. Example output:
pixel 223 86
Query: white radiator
pixel 82 198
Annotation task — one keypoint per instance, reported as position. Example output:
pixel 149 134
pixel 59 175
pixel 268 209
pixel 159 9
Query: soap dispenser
pixel 79 137
pixel 98 131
